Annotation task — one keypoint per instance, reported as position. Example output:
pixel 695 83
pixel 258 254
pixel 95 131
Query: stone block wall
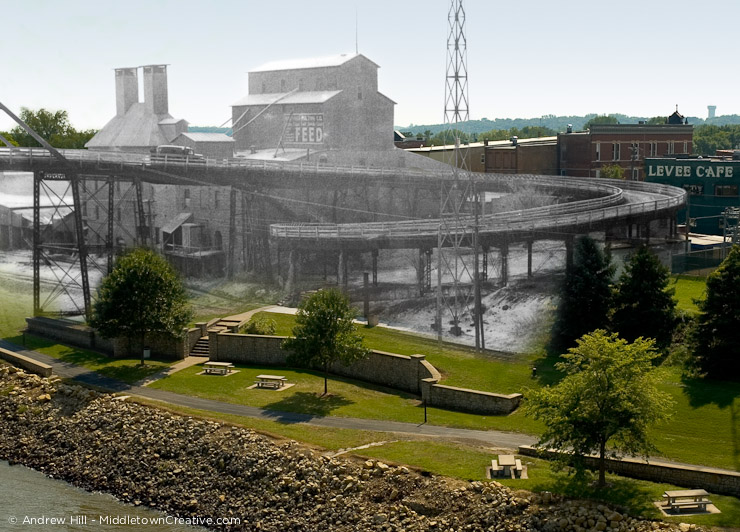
pixel 464 400
pixel 688 476
pixel 26 363
pixel 413 374
pixel 79 335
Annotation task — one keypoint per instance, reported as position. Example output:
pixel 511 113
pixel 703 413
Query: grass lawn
pixel 346 398
pixel 469 463
pixel 688 289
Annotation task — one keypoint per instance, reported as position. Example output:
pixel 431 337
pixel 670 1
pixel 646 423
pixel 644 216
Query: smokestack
pixel 127 89
pixel 155 88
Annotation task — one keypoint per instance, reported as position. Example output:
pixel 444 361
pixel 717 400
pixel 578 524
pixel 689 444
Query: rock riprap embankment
pixel 196 468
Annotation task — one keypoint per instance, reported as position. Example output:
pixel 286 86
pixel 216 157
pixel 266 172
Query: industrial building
pixel 514 156
pixel 137 125
pixel 585 153
pixel 326 107
pixel 713 185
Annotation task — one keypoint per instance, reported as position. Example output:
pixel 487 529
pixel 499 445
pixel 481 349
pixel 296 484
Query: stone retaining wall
pixel 413 374
pixel 80 335
pixel 693 477
pixel 26 363
pixel 466 400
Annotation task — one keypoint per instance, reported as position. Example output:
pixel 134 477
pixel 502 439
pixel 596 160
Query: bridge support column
pixel 366 295
pixel 293 259
pixel 647 233
pixel 484 265
pixel 504 264
pixel 428 270
pixel 569 241
pixel 375 267
pixel 342 269
pixel 529 259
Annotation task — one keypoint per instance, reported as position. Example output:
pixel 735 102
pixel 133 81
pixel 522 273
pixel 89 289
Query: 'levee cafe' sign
pixel 672 168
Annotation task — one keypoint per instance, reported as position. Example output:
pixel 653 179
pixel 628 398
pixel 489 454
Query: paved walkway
pixel 169 370
pixel 493 438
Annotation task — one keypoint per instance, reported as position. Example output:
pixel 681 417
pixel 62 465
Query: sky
pixel 525 59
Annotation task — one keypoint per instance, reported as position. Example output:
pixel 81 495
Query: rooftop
pixel 491 144
pixel 315 62
pixel 286 98
pixel 207 137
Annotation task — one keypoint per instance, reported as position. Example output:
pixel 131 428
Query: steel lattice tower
pixel 455 280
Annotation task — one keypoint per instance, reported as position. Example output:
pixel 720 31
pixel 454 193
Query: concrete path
pixel 169 370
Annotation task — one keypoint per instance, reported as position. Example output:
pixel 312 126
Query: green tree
pixel 53 126
pixel 143 294
pixel 586 295
pixel 605 403
pixel 656 121
pixel 710 138
pixel 643 305
pixel 716 339
pixel 601 120
pixel 325 333
pixel 612 171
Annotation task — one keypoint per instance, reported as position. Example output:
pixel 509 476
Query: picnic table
pixel 218 368
pixel 270 381
pixel 507 465
pixel 678 499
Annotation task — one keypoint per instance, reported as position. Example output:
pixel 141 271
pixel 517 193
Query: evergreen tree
pixel 717 334
pixel 586 295
pixel 643 304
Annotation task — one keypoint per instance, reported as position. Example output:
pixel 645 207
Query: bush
pixel 260 325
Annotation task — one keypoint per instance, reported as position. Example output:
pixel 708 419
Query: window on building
pixel 598 151
pixel 725 190
pixel 615 151
pixel 216 199
pixel 685 147
pixel 671 147
pixel 483 158
pixel 635 174
pixel 157 230
pixel 598 173
pixel 694 190
pixel 653 149
pixel 186 198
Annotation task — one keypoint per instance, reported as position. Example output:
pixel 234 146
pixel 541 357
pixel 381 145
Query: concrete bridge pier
pixel 569 244
pixel 375 267
pixel 293 261
pixel 529 259
pixel 342 273
pixel 504 263
pixel 484 263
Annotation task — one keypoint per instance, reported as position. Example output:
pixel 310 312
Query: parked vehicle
pixel 172 153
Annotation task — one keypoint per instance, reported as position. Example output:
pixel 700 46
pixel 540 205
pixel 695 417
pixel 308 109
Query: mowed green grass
pixel 687 291
pixel 469 463
pixel 346 398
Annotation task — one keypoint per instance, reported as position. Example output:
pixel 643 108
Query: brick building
pixel 584 153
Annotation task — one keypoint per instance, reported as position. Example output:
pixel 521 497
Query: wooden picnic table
pixel 218 368
pixel 677 499
pixel 271 381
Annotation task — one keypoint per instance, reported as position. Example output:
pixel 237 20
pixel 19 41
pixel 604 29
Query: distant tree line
pixel 52 126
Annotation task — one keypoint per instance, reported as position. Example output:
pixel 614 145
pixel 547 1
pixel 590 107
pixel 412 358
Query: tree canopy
pixel 643 305
pixel 53 126
pixel 605 403
pixel 710 138
pixel 717 333
pixel 585 298
pixel 599 120
pixel 325 333
pixel 612 171
pixel 143 294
